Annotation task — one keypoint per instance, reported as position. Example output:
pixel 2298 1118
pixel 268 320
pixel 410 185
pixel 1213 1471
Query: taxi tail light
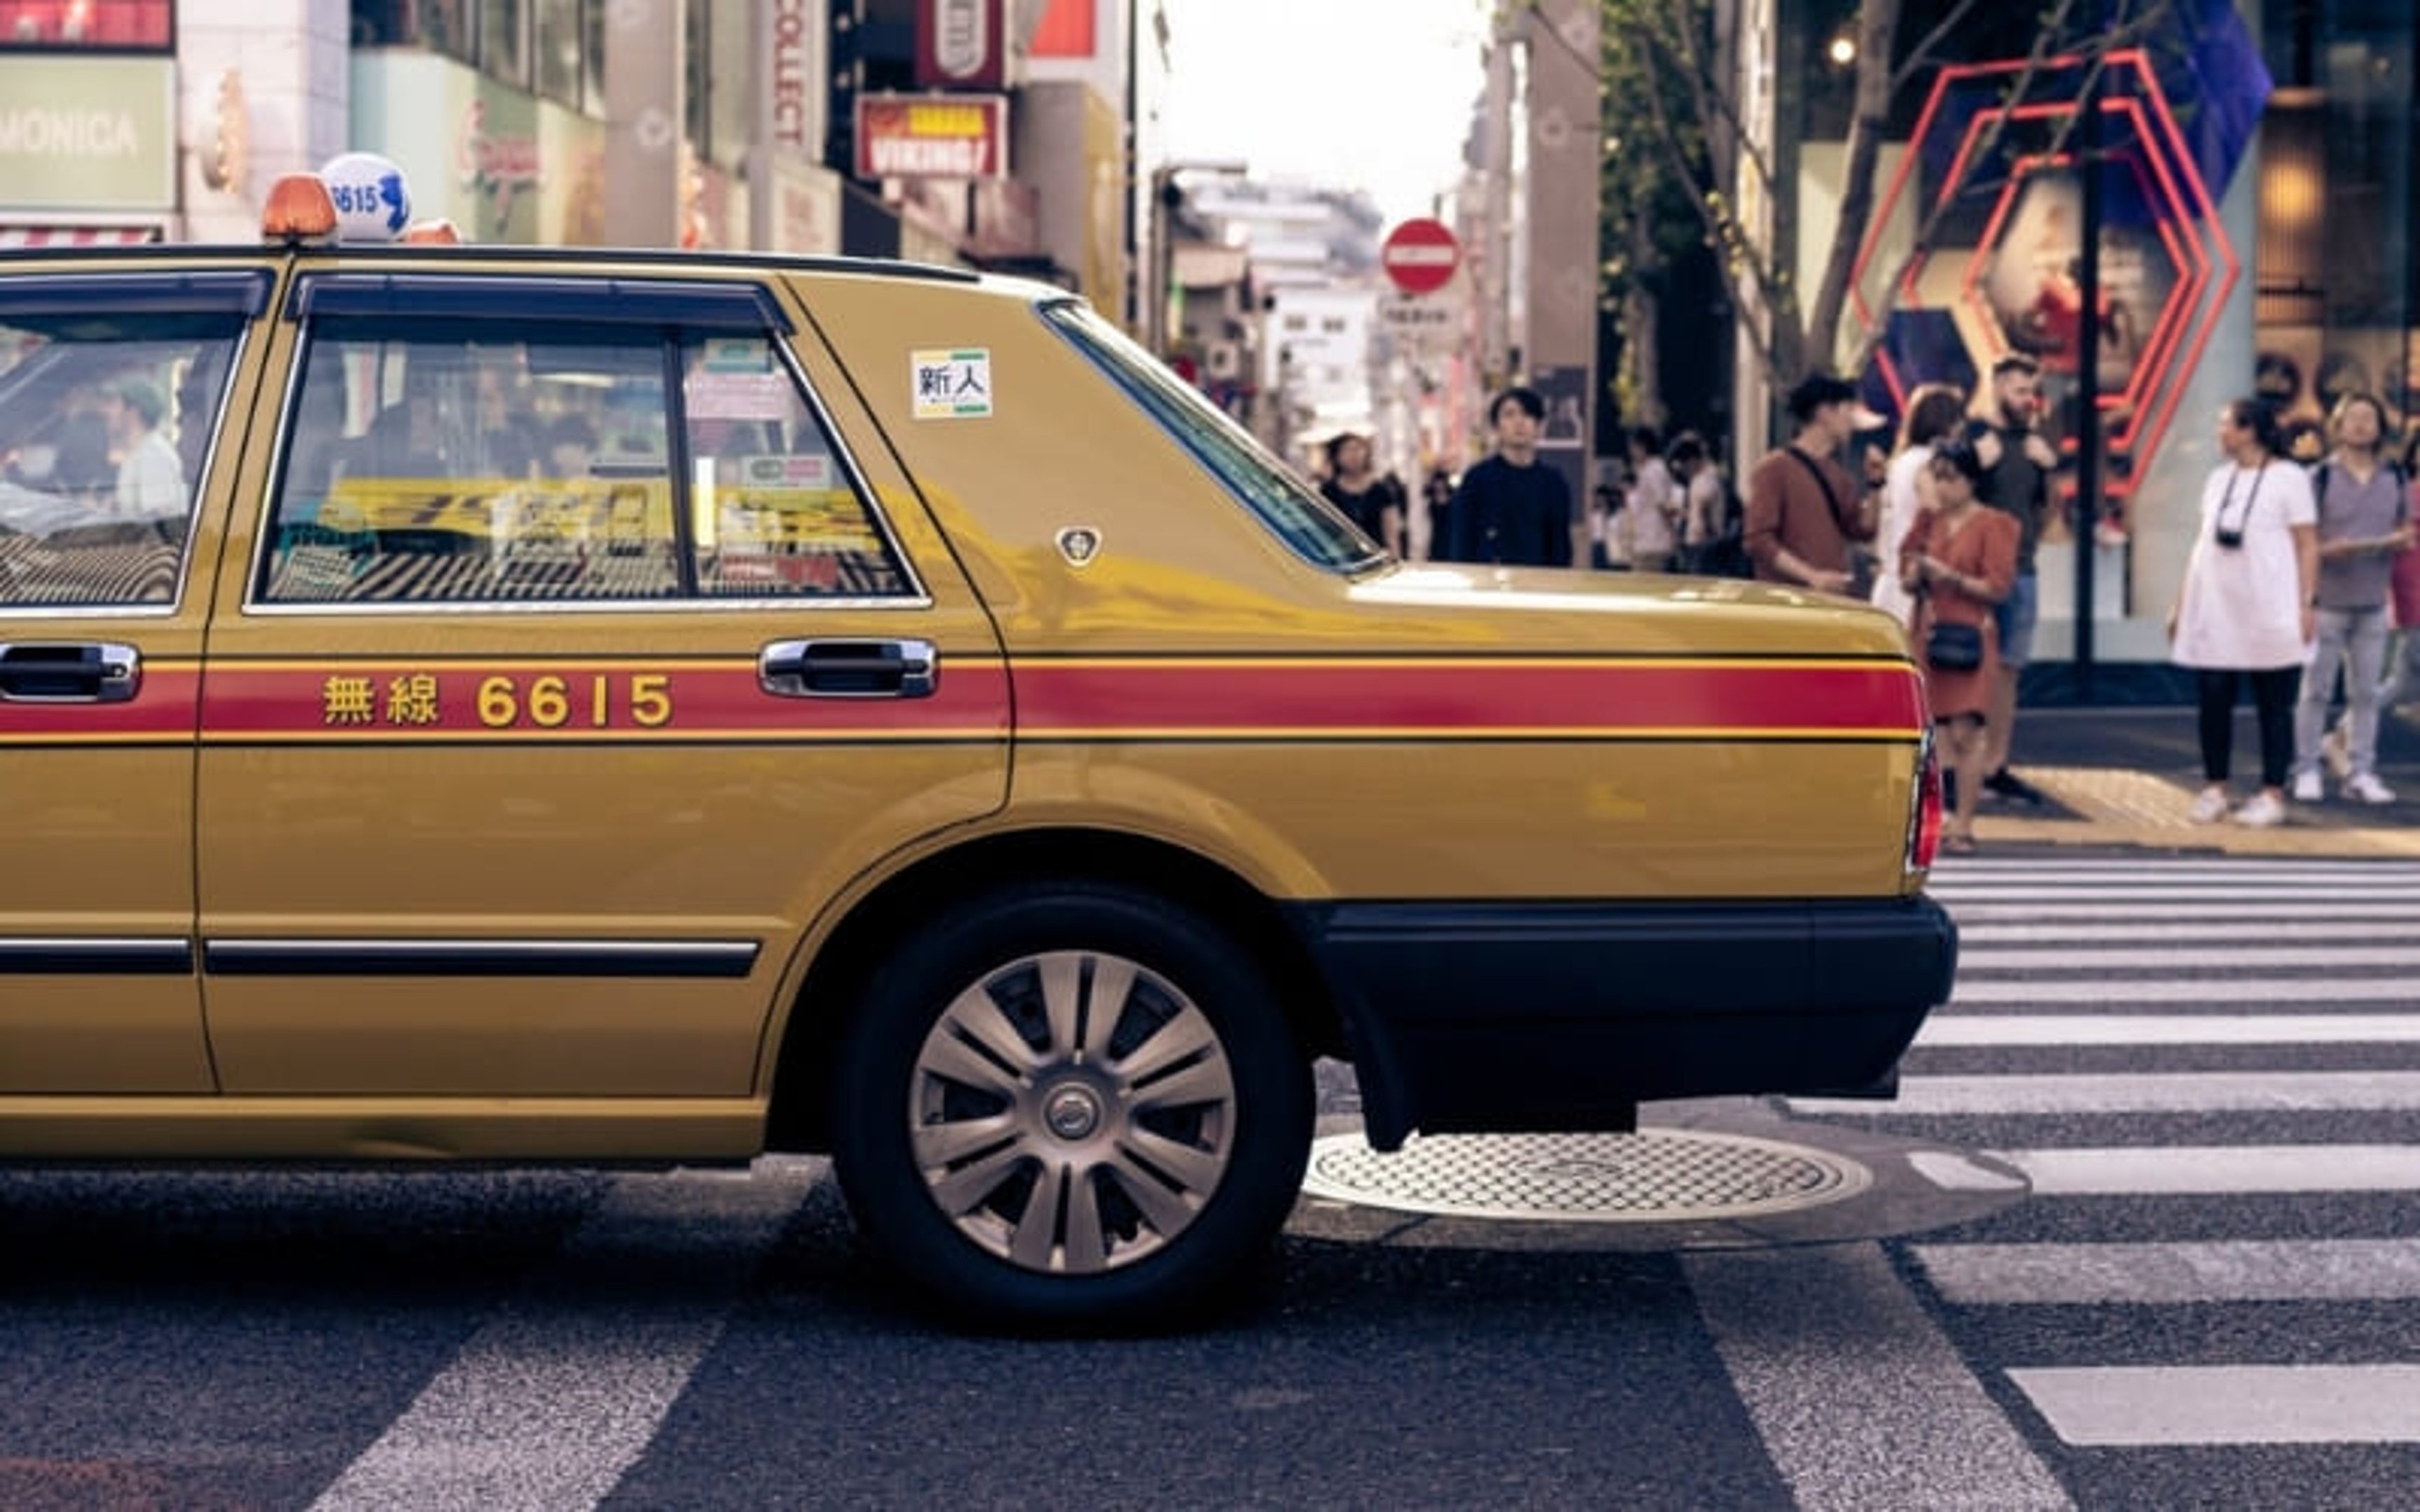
pixel 299 209
pixel 1925 812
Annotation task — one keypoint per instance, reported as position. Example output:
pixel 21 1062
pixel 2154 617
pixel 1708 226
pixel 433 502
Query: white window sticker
pixel 953 385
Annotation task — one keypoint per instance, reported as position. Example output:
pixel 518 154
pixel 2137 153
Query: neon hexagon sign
pixel 1992 175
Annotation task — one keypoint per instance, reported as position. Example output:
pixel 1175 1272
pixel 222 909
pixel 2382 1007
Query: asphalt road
pixel 2196 1292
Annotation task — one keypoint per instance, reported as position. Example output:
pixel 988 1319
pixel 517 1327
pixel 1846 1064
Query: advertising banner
pixel 960 136
pixel 89 133
pixel 960 45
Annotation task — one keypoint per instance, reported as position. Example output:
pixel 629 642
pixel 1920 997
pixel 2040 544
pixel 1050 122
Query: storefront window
pixel 504 41
pixel 105 25
pixel 560 40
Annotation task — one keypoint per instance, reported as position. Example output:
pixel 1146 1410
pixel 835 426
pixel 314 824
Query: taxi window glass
pixel 105 423
pixel 774 513
pixel 1282 499
pixel 453 463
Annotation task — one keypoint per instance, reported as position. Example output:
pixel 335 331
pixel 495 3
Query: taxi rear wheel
pixel 1071 1105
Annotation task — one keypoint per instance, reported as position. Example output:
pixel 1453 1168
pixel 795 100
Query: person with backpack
pixel 1710 516
pixel 2364 523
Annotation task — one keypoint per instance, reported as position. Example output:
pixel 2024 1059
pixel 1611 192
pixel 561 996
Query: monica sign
pixel 951 137
pixel 88 132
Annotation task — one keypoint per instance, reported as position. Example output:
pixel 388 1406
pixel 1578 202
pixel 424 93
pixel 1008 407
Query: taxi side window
pixel 432 465
pixel 105 425
pixel 774 511
pixel 446 462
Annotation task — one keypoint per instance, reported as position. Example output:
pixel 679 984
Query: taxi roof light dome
pixel 300 210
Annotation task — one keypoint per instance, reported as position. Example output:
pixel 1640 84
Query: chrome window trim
pixel 914 596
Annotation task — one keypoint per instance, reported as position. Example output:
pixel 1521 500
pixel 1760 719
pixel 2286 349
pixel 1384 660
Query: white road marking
pixel 1946 1030
pixel 2238 955
pixel 2175 1170
pixel 2206 990
pixel 2140 1406
pixel 549 1404
pixel 2294 1269
pixel 1842 1372
pixel 2159 892
pixel 2216 936
pixel 2036 911
pixel 1956 1173
pixel 2185 1092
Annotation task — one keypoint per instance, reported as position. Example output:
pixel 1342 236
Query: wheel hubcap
pixel 1072 1112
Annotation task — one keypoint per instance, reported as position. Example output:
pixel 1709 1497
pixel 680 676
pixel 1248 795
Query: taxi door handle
pixel 849 668
pixel 68 673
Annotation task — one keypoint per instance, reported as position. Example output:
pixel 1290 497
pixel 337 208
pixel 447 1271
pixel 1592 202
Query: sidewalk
pixel 2125 776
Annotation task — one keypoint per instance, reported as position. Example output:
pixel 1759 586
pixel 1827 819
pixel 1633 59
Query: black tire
pixel 1146 1145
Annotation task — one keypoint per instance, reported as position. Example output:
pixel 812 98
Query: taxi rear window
pixel 1279 494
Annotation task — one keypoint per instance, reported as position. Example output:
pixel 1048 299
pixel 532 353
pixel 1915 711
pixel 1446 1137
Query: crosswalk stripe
pixel 2012 1029
pixel 2044 910
pixel 549 1404
pixel 2145 1405
pixel 2190 1091
pixel 2213 934
pixel 2216 1170
pixel 2300 1270
pixel 2121 992
pixel 2148 891
pixel 2248 957
pixel 1833 1388
pixel 2070 873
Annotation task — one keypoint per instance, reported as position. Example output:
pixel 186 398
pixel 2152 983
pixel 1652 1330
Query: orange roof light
pixel 299 210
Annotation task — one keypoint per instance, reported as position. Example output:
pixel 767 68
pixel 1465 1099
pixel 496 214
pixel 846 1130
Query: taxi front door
pixel 575 662
pixel 112 386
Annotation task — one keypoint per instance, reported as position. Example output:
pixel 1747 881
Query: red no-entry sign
pixel 1420 256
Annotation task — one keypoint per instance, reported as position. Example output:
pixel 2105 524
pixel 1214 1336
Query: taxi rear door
pixel 574 661
pixel 113 385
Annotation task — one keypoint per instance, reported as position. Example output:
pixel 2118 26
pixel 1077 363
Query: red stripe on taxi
pixel 1080 699
pixel 438 700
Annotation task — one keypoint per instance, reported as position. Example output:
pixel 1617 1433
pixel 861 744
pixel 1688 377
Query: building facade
pixel 2247 230
pixel 994 133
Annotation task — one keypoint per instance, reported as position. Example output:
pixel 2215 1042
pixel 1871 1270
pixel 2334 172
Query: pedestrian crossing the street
pixel 2207 1074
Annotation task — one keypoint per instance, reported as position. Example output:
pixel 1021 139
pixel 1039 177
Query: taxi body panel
pixel 596 692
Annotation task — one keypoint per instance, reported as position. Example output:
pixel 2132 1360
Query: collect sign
pixel 1420 256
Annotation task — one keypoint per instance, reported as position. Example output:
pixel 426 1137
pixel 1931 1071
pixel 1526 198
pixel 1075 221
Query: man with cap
pixel 150 479
pixel 1803 508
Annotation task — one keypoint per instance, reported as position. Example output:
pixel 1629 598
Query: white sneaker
pixel 2210 808
pixel 2306 787
pixel 2261 811
pixel 2365 787
pixel 2335 751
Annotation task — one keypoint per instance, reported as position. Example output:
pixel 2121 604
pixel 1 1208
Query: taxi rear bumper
pixel 1507 1017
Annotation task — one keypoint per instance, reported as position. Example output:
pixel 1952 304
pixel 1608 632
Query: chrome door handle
pixel 849 668
pixel 35 671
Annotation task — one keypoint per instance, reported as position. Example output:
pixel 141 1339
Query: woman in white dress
pixel 2244 612
pixel 1935 411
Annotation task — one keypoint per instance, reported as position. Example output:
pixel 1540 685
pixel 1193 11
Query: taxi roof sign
pixel 372 201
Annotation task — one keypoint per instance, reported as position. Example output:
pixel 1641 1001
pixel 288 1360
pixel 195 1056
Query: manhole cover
pixel 1655 1176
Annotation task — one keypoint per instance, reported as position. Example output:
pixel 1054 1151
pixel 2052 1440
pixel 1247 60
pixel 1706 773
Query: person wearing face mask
pixel 1806 514
pixel 2247 610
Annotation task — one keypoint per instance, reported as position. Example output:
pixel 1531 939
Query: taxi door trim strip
pixel 689 959
pixel 97 955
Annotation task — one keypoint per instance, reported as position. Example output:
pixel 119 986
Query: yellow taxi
pixel 511 704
